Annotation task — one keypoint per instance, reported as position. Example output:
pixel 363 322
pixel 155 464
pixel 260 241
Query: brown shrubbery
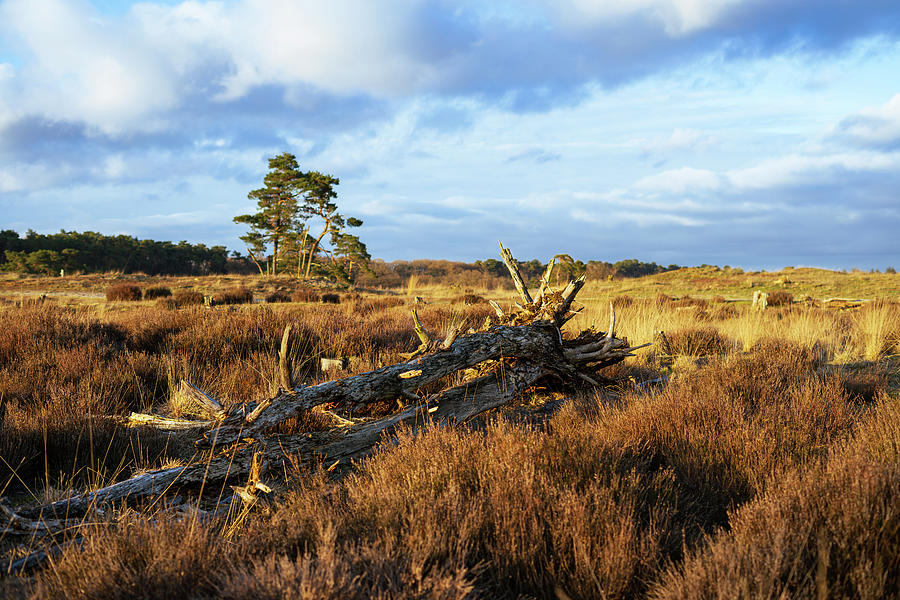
pixel 188 298
pixel 123 292
pixel 780 298
pixel 831 532
pixel 239 295
pixel 697 341
pixel 152 293
pixel 331 298
pixel 277 296
pixel 305 295
pixel 600 502
pixel 765 474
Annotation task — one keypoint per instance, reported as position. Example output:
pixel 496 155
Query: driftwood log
pixel 507 356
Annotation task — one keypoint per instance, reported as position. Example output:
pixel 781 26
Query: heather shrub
pixel 152 293
pixel 724 311
pixel 468 300
pixel 696 341
pixel 147 559
pixel 780 298
pixel 123 292
pixel 305 295
pixel 188 298
pixel 331 298
pixel 239 295
pixel 167 303
pixel 278 296
pixel 689 301
pixel 831 532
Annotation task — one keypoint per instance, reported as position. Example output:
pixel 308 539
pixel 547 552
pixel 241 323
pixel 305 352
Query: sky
pixel 751 133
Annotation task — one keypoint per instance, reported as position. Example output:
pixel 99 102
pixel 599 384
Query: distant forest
pixel 92 252
pixel 492 272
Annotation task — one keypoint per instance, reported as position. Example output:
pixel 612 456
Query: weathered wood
pixel 545 281
pixel 538 342
pixel 285 375
pixel 209 404
pixel 165 423
pixel 513 269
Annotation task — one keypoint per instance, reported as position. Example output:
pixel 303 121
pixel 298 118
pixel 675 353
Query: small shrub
pixel 697 342
pixel 188 298
pixel 331 299
pixel 152 293
pixel 123 292
pixel 305 295
pixel 278 296
pixel 662 299
pixel 718 299
pixel 239 295
pixel 725 311
pixel 688 301
pixel 468 300
pixel 780 298
pixel 167 303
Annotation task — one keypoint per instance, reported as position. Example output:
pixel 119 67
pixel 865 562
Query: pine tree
pixel 278 213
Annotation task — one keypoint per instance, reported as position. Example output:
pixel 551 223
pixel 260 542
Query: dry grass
pixel 769 469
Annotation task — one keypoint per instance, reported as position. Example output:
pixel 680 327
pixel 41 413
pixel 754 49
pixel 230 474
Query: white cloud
pixel 85 68
pixel 342 47
pixel 681 181
pixel 873 126
pixel 797 169
pixel 678 17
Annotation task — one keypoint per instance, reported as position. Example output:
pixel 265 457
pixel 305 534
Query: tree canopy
pixel 289 205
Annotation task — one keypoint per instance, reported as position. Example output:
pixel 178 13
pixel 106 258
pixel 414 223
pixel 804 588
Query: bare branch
pixel 285 376
pixel 424 336
pixel 516 276
pixel 209 404
pixel 611 332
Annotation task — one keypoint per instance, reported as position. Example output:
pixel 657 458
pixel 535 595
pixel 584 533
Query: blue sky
pixel 754 133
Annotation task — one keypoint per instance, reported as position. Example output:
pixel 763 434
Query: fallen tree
pixel 506 356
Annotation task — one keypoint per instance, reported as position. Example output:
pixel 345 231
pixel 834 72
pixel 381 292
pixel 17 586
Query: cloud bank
pixel 629 121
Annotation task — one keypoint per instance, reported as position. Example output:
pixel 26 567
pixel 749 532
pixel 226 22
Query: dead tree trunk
pixel 512 353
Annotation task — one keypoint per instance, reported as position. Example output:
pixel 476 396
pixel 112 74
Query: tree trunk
pixel 315 246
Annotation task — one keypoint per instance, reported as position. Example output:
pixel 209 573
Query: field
pixel 747 453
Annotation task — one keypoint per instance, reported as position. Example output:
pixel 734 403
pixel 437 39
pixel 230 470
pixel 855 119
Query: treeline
pixel 91 252
pixel 492 273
